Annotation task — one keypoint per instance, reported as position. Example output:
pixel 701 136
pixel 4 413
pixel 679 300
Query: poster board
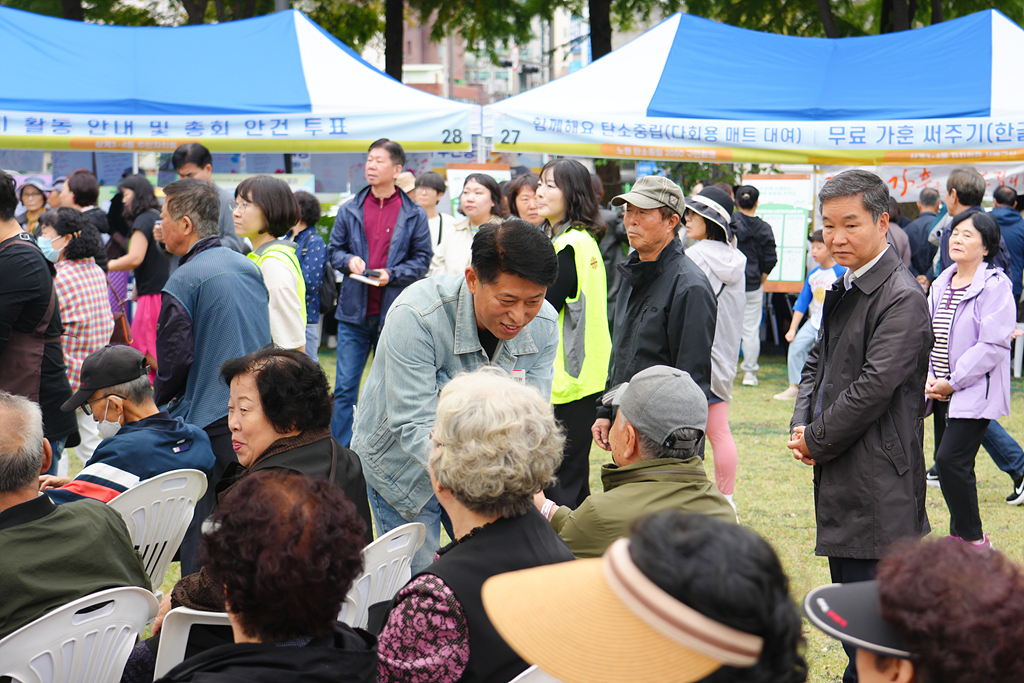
pixel 786 202
pixel 296 181
pixel 457 174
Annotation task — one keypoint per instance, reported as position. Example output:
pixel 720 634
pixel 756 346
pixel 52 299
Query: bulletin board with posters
pixel 457 174
pixel 786 202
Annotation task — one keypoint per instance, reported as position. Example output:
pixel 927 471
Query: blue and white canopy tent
pixel 272 83
pixel 691 89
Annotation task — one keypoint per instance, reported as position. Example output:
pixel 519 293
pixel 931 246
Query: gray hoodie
pixel 724 266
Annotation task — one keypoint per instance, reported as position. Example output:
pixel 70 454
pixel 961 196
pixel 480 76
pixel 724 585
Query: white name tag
pixel 519 376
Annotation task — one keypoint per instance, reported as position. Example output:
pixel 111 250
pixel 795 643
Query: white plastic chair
pixel 79 643
pixel 535 675
pixel 174 635
pixel 386 569
pixel 157 512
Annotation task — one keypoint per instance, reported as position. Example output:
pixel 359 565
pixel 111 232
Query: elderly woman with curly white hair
pixel 495 444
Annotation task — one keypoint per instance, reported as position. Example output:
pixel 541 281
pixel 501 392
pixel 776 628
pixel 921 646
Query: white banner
pixel 906 182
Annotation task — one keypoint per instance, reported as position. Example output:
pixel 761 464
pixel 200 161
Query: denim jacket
pixel 429 336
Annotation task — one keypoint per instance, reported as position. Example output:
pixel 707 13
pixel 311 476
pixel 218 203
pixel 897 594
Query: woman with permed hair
pixel 68 240
pixel 939 611
pixel 495 444
pixel 285 548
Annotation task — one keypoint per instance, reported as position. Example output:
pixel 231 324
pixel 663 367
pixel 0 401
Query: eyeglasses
pixel 87 406
pixel 439 445
pixel 243 205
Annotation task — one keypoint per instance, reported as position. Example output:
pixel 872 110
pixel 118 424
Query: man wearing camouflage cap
pixel 656 464
pixel 665 311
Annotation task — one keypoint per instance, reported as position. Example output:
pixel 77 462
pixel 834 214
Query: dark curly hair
pixel 957 608
pixel 68 221
pixel 286 548
pixel 293 389
pixel 144 200
pixel 731 575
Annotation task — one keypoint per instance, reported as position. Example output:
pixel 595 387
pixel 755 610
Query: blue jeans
pixel 432 516
pixel 1005 451
pixel 313 341
pixel 354 344
pixel 799 349
pixel 57 447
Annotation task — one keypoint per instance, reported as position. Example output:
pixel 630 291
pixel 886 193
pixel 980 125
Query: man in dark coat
pixel 666 311
pixel 859 415
pixel 756 239
pixel 921 250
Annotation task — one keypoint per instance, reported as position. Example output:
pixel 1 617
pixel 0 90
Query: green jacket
pixel 632 492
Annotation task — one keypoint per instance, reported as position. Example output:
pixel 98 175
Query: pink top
pixel 426 639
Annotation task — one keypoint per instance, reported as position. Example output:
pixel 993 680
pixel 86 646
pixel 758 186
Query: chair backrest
pixel 386 568
pixel 174 635
pixel 535 675
pixel 157 512
pixel 86 641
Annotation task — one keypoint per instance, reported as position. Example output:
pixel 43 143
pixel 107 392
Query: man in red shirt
pixel 381 235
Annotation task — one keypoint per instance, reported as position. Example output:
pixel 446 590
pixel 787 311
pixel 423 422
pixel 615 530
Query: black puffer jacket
pixel 665 315
pixel 348 656
pixel 755 239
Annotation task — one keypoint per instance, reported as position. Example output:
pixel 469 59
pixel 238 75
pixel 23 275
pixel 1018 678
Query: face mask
pixel 46 246
pixel 108 429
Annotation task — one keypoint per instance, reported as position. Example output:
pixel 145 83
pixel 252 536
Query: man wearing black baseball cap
pixel 665 311
pixel 139 441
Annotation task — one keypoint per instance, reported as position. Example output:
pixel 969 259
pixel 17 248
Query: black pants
pixel 956 445
pixel 189 551
pixel 573 485
pixel 848 570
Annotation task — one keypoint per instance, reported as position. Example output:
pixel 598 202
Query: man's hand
pixel 356 265
pixel 600 431
pixel 799 447
pixel 790 335
pixel 49 481
pixel 384 277
pixel 923 281
pixel 165 607
pixel 158 232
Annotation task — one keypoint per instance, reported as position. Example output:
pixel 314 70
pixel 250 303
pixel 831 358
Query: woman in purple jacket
pixel 973 316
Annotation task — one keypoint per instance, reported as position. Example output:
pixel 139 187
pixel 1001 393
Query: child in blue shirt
pixel 812 296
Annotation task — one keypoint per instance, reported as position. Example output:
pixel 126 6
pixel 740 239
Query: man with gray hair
pixel 48 553
pixel 656 463
pixel 921 250
pixel 858 412
pixel 965 188
pixel 215 307
pixel 139 440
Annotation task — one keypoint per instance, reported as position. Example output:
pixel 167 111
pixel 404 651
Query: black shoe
pixel 1017 497
pixel 931 477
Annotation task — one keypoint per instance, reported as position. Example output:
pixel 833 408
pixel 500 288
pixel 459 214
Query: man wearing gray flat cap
pixel 656 464
pixel 665 311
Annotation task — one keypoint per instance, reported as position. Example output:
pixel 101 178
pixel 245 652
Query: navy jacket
pixel 1012 227
pixel 408 256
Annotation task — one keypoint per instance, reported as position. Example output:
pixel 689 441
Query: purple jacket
pixel 979 343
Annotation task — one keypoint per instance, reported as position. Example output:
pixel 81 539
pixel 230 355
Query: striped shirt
pixel 941 324
pixel 84 311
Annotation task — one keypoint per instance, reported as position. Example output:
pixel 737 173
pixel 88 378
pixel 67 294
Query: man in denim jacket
pixel 494 315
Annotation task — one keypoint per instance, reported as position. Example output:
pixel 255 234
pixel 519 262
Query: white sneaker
pixel 788 395
pixel 749 379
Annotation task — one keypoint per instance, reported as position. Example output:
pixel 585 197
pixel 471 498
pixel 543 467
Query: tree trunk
pixel 936 11
pixel 828 20
pixel 196 10
pixel 912 12
pixel 72 9
pixel 600 28
pixel 900 18
pixel 394 38
pixel 885 20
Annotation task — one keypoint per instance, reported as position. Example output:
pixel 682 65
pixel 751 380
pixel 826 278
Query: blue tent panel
pixel 747 75
pixel 190 70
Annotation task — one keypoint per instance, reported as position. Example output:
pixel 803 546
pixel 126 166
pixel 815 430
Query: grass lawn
pixel 774 494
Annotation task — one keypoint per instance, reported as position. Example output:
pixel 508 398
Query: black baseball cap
pixel 849 612
pixel 108 367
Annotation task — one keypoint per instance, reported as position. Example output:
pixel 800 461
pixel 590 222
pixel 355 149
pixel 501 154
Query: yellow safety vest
pixel 584 343
pixel 285 255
